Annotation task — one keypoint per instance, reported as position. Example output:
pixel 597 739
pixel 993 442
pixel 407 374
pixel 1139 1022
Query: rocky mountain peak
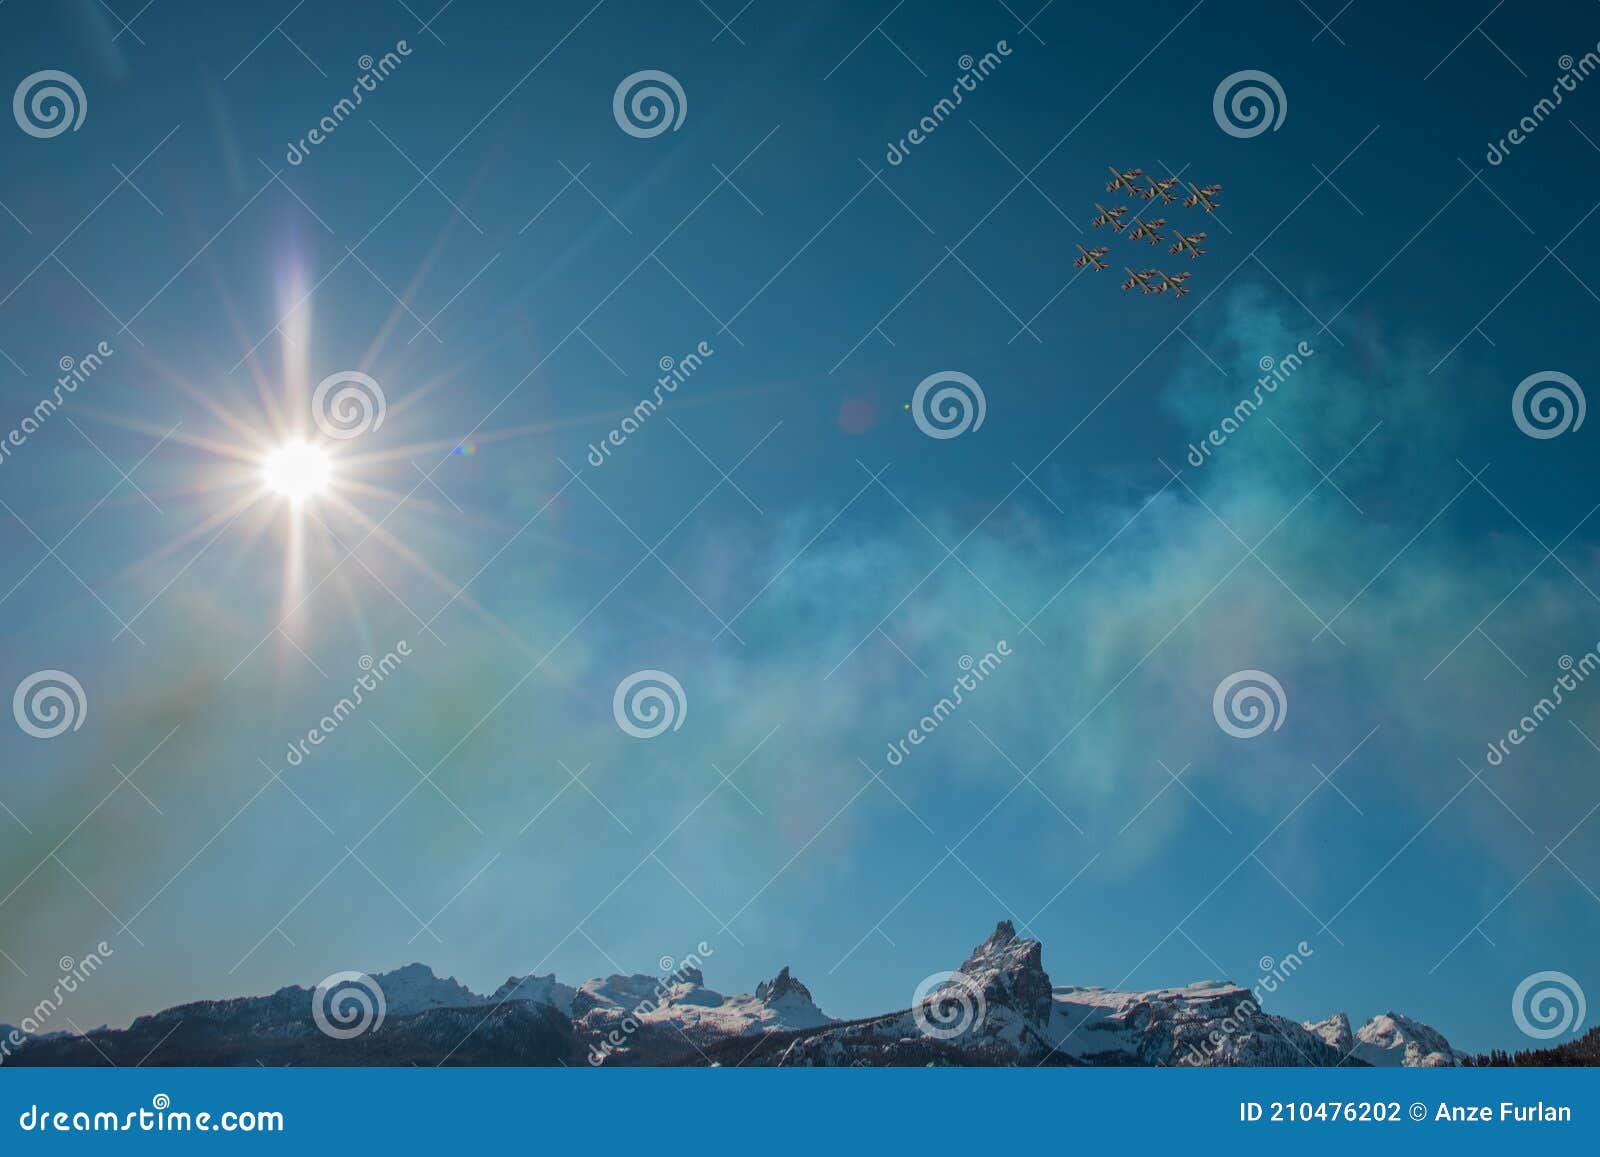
pixel 780 986
pixel 1335 1030
pixel 415 987
pixel 1010 971
pixel 1393 1039
pixel 539 989
pixel 1004 933
pixel 643 1019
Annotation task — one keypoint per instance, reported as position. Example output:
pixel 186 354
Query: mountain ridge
pixel 999 1007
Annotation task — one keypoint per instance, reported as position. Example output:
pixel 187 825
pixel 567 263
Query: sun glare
pixel 297 471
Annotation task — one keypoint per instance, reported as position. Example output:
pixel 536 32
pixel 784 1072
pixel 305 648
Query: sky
pixel 509 266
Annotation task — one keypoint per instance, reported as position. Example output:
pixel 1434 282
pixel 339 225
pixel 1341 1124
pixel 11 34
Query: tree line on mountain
pixel 1584 1052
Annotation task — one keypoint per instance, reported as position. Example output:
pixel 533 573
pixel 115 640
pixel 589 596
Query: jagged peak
pixel 531 986
pixel 780 986
pixel 1005 945
pixel 1335 1030
pixel 1004 933
pixel 1393 1038
pixel 1010 970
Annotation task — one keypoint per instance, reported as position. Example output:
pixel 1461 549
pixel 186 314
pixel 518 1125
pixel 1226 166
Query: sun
pixel 297 471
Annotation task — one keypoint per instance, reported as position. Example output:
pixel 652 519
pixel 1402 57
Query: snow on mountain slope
pixel 683 1002
pixel 998 1008
pixel 1210 1023
pixel 1010 972
pixel 782 1003
pixel 1335 1030
pixel 414 988
pixel 1392 1039
pixel 539 989
pixel 994 1009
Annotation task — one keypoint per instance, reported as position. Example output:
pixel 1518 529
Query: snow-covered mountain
pixel 415 988
pixel 1392 1039
pixel 539 989
pixel 1001 1008
pixel 1335 1033
pixel 679 1013
pixel 994 1009
pixel 1389 1039
pixel 998 1007
pixel 1212 1023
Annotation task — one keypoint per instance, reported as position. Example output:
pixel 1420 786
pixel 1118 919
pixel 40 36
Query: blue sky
pixel 816 601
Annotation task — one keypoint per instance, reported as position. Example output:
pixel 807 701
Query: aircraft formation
pixel 1148 227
